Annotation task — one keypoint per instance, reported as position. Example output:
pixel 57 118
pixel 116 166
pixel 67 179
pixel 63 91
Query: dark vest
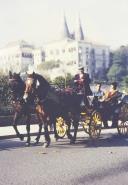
pixel 83 86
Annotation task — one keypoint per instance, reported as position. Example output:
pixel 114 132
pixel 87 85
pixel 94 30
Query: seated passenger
pixel 98 95
pixel 110 103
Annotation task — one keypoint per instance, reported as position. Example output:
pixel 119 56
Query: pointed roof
pixel 65 31
pixel 79 32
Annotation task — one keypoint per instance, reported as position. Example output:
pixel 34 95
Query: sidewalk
pixel 9 130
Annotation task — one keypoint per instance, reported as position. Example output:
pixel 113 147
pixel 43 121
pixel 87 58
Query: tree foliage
pixel 119 68
pixel 62 82
pixel 48 65
pixel 4 91
pixel 59 81
pixel 125 84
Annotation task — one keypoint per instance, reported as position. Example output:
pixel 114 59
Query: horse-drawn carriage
pixel 89 118
pixel 116 113
pixel 122 111
pixel 92 117
pixel 61 109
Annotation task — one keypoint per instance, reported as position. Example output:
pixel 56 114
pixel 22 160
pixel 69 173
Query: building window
pixel 87 56
pixel 80 50
pixel 27 55
pixel 87 50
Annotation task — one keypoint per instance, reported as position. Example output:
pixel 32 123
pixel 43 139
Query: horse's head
pixel 14 81
pixel 30 87
pixel 16 85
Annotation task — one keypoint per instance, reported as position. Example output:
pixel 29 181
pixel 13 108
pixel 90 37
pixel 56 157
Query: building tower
pixel 65 31
pixel 79 34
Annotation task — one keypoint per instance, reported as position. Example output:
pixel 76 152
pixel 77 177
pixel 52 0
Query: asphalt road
pixel 103 162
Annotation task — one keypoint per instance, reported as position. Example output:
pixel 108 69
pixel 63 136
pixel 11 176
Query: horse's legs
pixel 40 129
pixel 68 130
pixel 55 132
pixel 75 123
pixel 53 121
pixel 28 129
pixel 15 119
pixel 46 135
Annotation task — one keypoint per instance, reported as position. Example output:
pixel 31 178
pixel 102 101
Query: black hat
pixel 81 68
pixel 114 84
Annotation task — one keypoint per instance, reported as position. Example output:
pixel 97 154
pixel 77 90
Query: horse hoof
pixel 37 141
pixel 21 137
pixel 46 144
pixel 27 144
pixel 70 137
pixel 56 139
pixel 72 141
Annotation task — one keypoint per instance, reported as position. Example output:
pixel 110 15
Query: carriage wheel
pixel 85 119
pixel 122 128
pixel 61 127
pixel 95 125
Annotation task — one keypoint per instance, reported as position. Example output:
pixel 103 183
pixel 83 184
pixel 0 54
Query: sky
pixel 40 21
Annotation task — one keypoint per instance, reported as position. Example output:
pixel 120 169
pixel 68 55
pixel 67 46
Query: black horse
pixel 22 108
pixel 53 104
pixel 70 102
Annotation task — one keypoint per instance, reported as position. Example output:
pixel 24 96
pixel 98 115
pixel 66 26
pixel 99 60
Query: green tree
pixel 59 81
pixel 125 83
pixel 4 91
pixel 69 79
pixel 119 68
pixel 48 65
pixel 62 82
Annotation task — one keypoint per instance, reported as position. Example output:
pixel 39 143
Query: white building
pixel 16 56
pixel 38 56
pixel 74 51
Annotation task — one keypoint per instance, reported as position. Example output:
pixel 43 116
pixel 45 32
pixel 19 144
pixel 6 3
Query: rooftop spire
pixel 65 31
pixel 79 32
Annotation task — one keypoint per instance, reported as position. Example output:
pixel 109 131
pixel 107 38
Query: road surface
pixel 103 162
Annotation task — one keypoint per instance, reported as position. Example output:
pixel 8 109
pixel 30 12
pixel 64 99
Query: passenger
pixel 111 103
pixel 98 95
pixel 98 92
